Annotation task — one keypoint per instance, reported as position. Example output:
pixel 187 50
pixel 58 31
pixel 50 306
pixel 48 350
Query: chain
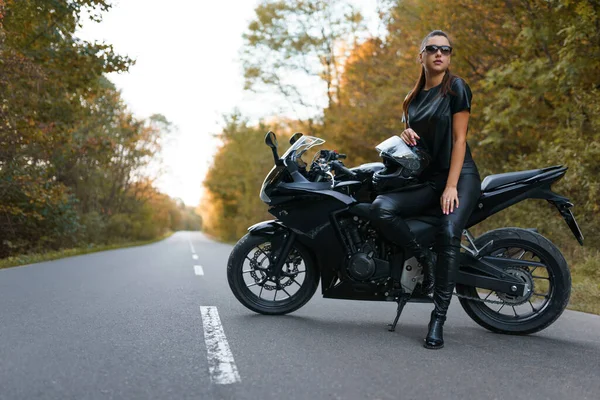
pixel 478 299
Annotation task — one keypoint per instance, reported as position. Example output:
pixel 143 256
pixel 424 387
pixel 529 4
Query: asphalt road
pixel 130 324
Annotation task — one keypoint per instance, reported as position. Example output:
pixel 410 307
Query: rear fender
pixel 563 205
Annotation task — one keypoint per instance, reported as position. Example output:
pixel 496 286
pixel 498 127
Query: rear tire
pixel 557 279
pixel 247 276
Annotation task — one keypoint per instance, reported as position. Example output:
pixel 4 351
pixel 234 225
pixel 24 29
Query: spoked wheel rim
pixel 518 309
pixel 260 284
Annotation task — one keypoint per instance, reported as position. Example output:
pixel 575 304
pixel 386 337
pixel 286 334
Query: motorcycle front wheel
pixel 550 284
pixel 252 284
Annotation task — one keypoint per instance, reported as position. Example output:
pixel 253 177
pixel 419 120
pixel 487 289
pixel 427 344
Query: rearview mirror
pixel 295 137
pixel 271 140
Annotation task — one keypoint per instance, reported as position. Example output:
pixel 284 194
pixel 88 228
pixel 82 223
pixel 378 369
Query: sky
pixel 187 69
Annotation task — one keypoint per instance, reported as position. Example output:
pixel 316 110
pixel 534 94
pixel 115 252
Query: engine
pixel 365 260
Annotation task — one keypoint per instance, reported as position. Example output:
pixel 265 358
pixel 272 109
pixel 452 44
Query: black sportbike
pixel 511 280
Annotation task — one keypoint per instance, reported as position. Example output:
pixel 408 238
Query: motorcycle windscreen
pixel 301 146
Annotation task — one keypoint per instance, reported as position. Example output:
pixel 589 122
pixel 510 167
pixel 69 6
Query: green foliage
pixel 94 226
pixel 370 102
pixel 185 218
pixel 299 39
pixel 73 159
pixel 542 108
pixel 234 181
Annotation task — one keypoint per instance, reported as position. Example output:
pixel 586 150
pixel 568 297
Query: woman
pixel 436 113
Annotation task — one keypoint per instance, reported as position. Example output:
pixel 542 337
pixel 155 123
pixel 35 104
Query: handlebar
pixel 341 169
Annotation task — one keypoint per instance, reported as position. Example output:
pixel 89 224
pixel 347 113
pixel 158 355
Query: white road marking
pixel 195 256
pixel 198 270
pixel 191 245
pixel 221 365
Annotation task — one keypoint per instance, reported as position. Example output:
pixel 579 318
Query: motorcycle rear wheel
pixel 550 292
pixel 249 281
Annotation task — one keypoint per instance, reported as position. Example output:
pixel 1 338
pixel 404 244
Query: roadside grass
pixel 26 259
pixel 585 296
pixel 585 273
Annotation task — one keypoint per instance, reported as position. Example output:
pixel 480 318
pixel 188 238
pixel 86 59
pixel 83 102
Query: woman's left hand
pixel 449 200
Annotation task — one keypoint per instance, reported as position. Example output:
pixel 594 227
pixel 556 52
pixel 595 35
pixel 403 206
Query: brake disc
pixel 263 280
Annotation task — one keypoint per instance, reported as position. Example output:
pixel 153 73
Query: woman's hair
pixel 446 81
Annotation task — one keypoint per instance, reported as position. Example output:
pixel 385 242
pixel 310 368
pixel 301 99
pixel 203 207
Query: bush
pixel 94 227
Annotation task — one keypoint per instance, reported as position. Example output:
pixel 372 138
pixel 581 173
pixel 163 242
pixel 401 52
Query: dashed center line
pixel 191 245
pixel 198 270
pixel 221 366
pixel 195 256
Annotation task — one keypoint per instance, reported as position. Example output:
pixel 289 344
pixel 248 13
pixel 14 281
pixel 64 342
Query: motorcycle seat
pixel 492 182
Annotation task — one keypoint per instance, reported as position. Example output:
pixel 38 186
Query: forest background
pixel 76 167
pixel 533 67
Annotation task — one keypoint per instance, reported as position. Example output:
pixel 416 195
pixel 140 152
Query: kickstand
pixel 401 303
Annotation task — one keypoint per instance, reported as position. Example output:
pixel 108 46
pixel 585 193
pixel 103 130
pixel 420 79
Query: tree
pixel 235 178
pixel 71 155
pixel 290 43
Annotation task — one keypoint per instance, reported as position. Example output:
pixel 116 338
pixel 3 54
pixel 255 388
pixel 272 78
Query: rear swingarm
pixel 488 273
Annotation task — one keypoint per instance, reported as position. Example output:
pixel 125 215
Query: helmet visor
pixel 395 148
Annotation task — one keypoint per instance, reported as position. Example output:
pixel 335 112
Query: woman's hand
pixel 449 200
pixel 410 137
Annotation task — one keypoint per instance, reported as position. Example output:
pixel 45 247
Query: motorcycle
pixel 510 280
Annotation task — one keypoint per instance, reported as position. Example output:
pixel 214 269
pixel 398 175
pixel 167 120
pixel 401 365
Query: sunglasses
pixel 432 49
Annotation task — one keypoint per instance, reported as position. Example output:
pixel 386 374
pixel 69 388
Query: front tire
pixel 550 292
pixel 248 278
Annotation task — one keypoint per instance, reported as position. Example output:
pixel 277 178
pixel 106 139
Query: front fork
pixel 285 242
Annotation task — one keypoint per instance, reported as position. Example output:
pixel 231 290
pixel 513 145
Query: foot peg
pixel 401 303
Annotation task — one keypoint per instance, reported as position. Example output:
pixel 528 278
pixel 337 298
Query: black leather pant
pixel 389 210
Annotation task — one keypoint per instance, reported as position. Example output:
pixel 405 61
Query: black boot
pixel 427 259
pixel 435 336
pixel 445 272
